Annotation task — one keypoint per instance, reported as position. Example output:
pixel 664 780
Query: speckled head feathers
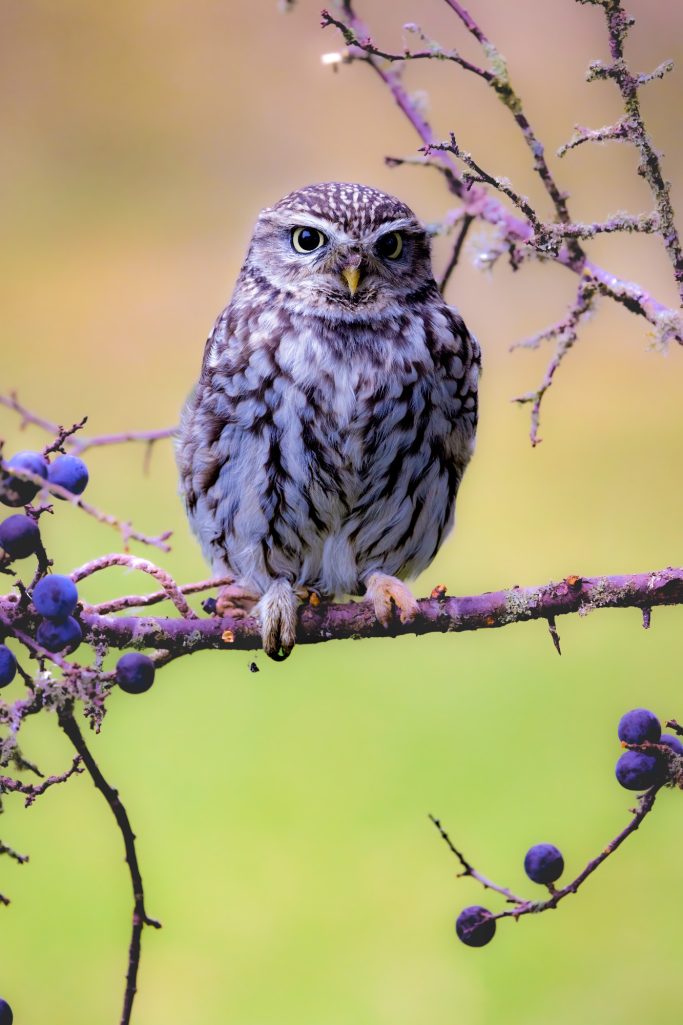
pixel 357 209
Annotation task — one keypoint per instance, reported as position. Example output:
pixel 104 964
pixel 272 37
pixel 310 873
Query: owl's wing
pixel 457 360
pixel 205 424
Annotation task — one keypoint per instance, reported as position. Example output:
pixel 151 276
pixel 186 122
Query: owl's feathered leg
pixel 277 611
pixel 388 593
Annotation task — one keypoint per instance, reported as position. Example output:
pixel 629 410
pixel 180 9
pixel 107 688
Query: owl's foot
pixel 277 610
pixel 236 601
pixel 388 594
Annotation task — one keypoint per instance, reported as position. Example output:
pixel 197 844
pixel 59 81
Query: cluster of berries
pixel 644 768
pixel 19 535
pixel 476 926
pixel 645 764
pixel 54 597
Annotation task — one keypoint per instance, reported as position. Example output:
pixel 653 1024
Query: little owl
pixel 322 448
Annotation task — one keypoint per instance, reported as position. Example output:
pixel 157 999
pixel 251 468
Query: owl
pixel 323 446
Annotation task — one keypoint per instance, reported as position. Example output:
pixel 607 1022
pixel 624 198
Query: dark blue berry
pixel 673 742
pixel 69 472
pixel 134 673
pixel 638 726
pixel 6 1016
pixel 19 536
pixel 543 863
pixel 209 606
pixel 8 667
pixel 637 770
pixel 55 597
pixel 59 636
pixel 13 490
pixel 475 926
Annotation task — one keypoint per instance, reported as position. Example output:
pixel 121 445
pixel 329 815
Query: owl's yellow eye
pixel 390 246
pixel 307 240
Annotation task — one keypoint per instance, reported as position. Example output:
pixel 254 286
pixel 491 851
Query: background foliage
pixel 282 816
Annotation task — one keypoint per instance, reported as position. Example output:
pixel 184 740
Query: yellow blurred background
pixel 282 817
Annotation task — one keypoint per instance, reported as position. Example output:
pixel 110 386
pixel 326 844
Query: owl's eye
pixel 390 246
pixel 307 240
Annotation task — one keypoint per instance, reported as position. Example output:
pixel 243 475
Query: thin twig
pixel 523 906
pixel 469 870
pixel 111 796
pixel 171 590
pixel 125 529
pixel 32 791
pixel 465 225
pixel 82 443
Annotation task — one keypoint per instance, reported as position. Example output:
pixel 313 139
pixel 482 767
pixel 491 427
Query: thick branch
pixel 356 620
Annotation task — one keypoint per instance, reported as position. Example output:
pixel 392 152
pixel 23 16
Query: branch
pixel 32 791
pixel 565 333
pixel 81 442
pixel 111 796
pixel 650 168
pixel 523 906
pixel 327 622
pixel 125 529
pixel 561 240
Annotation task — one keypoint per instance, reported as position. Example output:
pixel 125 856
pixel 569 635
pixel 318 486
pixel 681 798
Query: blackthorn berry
pixel 543 863
pixel 55 597
pixel 13 490
pixel 673 742
pixel 637 770
pixel 134 673
pixel 59 636
pixel 19 536
pixel 6 1016
pixel 8 668
pixel 475 926
pixel 69 472
pixel 639 725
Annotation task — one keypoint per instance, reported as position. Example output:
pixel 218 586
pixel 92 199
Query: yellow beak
pixel 351 276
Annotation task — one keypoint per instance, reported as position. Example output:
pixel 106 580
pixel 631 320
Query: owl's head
pixel 342 250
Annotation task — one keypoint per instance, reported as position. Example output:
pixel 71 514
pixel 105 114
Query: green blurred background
pixel 282 817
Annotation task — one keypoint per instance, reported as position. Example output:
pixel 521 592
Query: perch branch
pixel 326 622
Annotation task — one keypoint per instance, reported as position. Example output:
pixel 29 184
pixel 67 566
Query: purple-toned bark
pixel 356 619
pixel 520 238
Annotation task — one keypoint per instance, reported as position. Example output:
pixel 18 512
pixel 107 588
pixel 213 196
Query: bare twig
pixel 565 334
pixel 465 225
pixel 560 240
pixel 82 443
pixel 171 590
pixel 32 791
pixel 111 796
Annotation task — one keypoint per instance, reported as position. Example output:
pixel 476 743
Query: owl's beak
pixel 351 276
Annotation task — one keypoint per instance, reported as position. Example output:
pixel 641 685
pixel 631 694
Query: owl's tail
pixel 277 612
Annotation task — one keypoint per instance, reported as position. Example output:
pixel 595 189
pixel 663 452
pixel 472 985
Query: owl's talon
pixel 236 601
pixel 389 594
